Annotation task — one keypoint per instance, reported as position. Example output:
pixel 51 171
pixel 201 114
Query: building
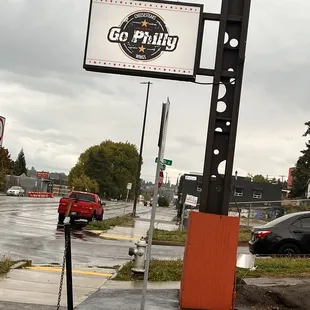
pixel 243 191
pixel 290 178
pixel 29 184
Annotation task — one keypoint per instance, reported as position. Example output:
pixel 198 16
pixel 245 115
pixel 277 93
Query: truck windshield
pixel 83 196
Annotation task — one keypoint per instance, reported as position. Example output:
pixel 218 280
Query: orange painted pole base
pixel 209 262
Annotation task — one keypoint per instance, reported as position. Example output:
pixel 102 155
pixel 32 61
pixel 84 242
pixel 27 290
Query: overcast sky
pixel 55 110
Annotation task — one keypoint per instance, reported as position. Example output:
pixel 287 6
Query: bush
pixel 163 202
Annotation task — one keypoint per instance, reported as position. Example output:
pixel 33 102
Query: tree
pixel 111 164
pixel 301 174
pixel 249 177
pixel 20 164
pixel 84 183
pixel 259 178
pixel 163 201
pixel 6 166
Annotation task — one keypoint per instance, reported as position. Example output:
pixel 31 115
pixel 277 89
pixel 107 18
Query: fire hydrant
pixel 139 256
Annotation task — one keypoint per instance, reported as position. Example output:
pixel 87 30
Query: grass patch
pixel 244 234
pixel 180 236
pixel 5 264
pixel 171 270
pixel 110 223
pixel 160 270
pixel 279 267
pixel 169 235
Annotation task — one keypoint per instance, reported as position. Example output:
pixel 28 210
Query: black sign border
pixel 152 74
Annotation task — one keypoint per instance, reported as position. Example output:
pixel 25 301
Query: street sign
pixel 161 179
pixel 129 186
pixel 191 200
pixel 146 38
pixel 167 162
pixel 43 174
pixel 2 124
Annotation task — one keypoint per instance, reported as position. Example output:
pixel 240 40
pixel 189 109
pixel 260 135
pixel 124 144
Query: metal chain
pixel 62 274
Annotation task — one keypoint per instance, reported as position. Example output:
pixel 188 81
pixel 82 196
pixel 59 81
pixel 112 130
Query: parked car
pixel 84 206
pixel 288 234
pixel 15 191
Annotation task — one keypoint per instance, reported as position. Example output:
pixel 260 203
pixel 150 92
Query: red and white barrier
pixel 40 195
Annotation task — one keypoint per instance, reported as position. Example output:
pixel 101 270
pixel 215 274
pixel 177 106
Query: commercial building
pixel 244 191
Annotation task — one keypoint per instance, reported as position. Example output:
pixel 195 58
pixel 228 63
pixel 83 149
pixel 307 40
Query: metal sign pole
pixel 161 143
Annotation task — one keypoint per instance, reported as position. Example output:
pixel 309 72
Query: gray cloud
pixel 55 109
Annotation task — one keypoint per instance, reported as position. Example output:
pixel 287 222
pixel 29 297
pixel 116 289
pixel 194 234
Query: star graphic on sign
pixel 141 49
pixel 144 23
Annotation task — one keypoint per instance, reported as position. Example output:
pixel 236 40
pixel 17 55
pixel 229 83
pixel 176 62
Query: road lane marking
pixel 55 269
pixel 118 237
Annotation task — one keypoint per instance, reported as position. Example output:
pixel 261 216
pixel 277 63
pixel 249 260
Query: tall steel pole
pixel 134 209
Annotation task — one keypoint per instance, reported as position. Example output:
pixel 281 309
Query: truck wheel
pixel 93 218
pixel 61 218
pixel 99 217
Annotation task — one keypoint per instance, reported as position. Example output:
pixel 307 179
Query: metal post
pixel 69 267
pixel 249 216
pixel 126 200
pixel 134 209
pixel 161 150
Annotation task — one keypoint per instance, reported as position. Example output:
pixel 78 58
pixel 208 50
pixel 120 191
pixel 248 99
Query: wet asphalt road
pixel 28 230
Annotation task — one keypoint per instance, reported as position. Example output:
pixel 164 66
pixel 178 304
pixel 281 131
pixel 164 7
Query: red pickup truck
pixel 84 206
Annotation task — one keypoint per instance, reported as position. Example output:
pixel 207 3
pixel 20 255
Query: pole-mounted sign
pixel 146 38
pixel 2 124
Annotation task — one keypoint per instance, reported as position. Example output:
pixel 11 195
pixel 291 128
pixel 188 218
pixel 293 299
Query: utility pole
pixel 282 177
pixel 134 209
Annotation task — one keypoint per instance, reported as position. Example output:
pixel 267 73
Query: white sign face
pixel 191 200
pixel 129 185
pixel 2 124
pixel 146 38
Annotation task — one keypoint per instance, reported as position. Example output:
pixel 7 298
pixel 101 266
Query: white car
pixel 15 191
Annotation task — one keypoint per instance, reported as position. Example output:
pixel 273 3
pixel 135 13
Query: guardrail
pixel 40 195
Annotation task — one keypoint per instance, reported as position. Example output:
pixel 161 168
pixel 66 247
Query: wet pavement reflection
pixel 29 231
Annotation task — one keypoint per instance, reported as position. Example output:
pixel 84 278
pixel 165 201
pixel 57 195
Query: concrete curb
pixel 91 233
pixel 20 265
pixel 167 243
pixel 116 273
pixel 171 243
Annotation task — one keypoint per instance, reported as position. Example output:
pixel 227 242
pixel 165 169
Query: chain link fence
pixel 259 213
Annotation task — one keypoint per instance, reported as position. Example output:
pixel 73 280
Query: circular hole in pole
pixel 221 167
pixel 231 70
pixel 226 38
pixel 221 106
pixel 219 129
pixel 222 91
pixel 216 152
pixel 234 42
pixel 227 123
pixel 232 81
pixel 213 177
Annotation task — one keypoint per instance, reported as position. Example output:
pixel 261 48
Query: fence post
pixel 249 215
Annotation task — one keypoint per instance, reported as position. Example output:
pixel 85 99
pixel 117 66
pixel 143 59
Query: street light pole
pixel 134 209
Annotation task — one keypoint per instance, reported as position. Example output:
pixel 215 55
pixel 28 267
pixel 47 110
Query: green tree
pixel 84 183
pixel 249 177
pixel 259 178
pixel 301 174
pixel 6 166
pixel 111 164
pixel 163 201
pixel 20 164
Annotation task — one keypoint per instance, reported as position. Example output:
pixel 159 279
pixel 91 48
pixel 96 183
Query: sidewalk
pixel 39 285
pixel 163 220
